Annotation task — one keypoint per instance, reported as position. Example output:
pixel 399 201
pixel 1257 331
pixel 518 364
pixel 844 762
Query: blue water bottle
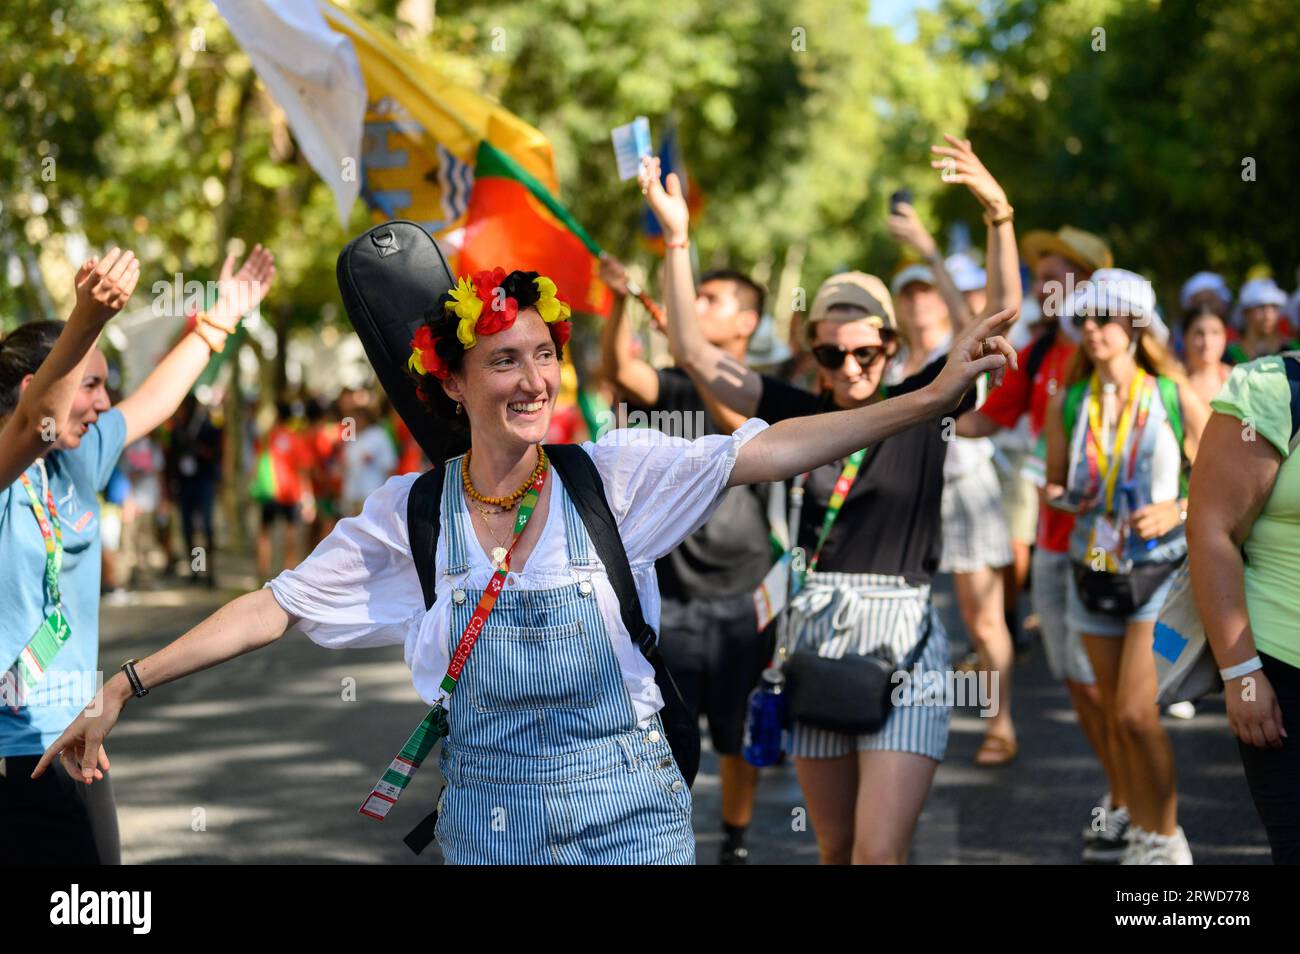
pixel 764 719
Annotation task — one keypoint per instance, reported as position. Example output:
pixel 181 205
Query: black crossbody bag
pixel 849 694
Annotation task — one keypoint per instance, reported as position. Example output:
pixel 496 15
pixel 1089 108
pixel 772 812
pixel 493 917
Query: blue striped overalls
pixel 544 762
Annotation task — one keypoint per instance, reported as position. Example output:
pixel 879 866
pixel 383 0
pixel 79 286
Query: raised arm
pixel 905 226
pixel 634 377
pixel 163 390
pixel 714 372
pixel 791 446
pixel 102 288
pixel 250 622
pixel 960 164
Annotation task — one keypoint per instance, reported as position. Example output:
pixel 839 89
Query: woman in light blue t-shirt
pixel 59 444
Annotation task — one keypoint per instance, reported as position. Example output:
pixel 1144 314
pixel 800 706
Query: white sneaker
pixel 1149 848
pixel 1181 710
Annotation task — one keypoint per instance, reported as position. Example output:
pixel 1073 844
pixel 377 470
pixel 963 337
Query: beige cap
pixel 1074 245
pixel 859 290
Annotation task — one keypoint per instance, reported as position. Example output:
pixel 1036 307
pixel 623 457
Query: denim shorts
pixel 1084 620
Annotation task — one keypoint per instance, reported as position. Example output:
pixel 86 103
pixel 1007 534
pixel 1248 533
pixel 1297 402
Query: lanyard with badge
pixel 435 726
pixel 1105 460
pixel 30 666
pixel 784 580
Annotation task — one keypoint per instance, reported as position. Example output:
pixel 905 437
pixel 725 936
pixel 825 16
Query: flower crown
pixel 466 303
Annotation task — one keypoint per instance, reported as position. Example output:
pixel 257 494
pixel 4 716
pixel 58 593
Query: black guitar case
pixel 389 277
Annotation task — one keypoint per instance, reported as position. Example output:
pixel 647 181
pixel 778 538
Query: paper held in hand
pixel 631 143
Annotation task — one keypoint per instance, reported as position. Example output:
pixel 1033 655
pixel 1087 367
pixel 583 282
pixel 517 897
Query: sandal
pixel 996 750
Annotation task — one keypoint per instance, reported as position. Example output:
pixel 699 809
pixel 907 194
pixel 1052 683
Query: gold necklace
pixel 499 551
pixel 507 502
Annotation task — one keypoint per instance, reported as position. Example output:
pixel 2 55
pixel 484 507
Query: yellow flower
pixel 548 306
pixel 465 330
pixel 414 362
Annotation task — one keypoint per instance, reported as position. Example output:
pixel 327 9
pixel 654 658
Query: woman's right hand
pixel 104 285
pixel 81 746
pixel 667 204
pixel 981 349
pixel 1256 720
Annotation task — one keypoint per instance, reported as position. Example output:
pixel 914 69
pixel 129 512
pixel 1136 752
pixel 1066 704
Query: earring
pixel 459 409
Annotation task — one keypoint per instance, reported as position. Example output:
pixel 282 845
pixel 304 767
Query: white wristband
pixel 1239 670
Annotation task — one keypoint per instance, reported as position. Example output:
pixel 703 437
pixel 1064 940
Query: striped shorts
pixel 975 534
pixel 842 613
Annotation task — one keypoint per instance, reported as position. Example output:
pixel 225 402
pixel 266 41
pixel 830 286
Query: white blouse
pixel 359 587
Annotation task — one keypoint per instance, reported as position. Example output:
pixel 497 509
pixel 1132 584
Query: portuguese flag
pixel 515 223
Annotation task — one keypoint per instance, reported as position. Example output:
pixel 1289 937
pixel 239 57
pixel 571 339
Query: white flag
pixel 312 72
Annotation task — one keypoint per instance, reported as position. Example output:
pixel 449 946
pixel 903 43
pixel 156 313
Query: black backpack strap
pixel 586 489
pixel 1038 351
pixel 422 524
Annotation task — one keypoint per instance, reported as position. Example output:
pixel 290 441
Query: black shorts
pixel 271 510
pixel 54 820
pixel 715 654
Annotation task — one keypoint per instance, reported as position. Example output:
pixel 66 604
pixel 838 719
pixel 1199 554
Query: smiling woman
pixel 553 745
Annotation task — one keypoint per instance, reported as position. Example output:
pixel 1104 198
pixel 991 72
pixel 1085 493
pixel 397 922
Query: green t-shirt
pixel 1258 395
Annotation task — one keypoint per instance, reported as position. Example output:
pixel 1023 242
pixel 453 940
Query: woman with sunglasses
pixel 1113 442
pixel 869 589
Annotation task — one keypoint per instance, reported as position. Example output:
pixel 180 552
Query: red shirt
pixel 291 459
pixel 1018 395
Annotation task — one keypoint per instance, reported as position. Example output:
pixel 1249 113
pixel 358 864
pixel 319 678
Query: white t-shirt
pixel 360 588
pixel 367 462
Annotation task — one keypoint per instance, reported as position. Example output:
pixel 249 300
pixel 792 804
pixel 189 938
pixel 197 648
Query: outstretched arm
pixel 164 389
pixel 102 288
pixel 250 622
pixel 791 447
pixel 906 227
pixel 713 370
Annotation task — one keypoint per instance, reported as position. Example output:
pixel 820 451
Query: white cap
pixel 1204 281
pixel 1116 292
pixel 1261 291
pixel 913 273
pixel 965 272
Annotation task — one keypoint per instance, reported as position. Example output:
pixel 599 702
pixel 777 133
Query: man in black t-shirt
pixel 708 628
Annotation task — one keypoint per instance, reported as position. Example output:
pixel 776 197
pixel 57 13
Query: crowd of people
pixel 1036 440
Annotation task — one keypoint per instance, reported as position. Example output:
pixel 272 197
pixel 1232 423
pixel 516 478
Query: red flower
pixel 560 332
pixel 486 282
pixel 492 321
pixel 426 344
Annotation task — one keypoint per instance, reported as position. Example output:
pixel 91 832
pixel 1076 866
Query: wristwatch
pixel 137 686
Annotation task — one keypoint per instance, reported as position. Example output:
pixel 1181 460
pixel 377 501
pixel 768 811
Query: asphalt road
pixel 266 758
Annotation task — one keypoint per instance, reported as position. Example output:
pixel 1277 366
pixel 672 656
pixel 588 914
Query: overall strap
pixel 575 536
pixel 457 529
pixel 582 482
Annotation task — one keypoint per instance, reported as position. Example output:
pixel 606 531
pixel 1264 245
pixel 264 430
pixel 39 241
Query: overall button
pixel 677 786
pixel 585 587
pixel 458 596
pixel 653 736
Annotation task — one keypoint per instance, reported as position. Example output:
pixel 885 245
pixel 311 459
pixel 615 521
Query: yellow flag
pixel 422 132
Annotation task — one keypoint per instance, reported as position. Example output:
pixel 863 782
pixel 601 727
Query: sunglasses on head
pixel 831 357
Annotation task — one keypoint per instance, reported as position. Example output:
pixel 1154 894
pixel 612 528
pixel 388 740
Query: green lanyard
pixel 842 485
pixel 435 725
pixel 51 533
pixel 54 631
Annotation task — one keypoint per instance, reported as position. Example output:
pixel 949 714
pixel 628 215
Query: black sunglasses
pixel 1101 320
pixel 831 357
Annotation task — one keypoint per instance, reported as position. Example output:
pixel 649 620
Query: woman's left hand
pixel 981 349
pixel 906 228
pixel 1155 520
pixel 240 292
